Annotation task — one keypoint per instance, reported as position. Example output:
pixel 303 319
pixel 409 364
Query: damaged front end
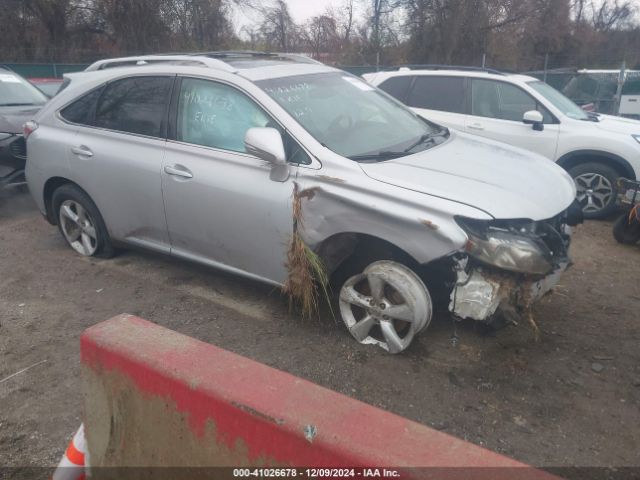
pixel 509 264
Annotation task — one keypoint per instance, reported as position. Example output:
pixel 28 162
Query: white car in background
pixel 528 113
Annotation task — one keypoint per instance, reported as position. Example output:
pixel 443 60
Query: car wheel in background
pixel 385 305
pixel 596 188
pixel 625 231
pixel 80 222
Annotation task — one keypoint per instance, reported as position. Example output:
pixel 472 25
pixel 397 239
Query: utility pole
pixel 621 78
pixel 546 66
pixel 484 60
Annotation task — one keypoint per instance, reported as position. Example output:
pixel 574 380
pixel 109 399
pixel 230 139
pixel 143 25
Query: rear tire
pixel 625 232
pixel 597 189
pixel 80 222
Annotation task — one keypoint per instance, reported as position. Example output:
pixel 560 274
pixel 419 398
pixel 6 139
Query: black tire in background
pixel 69 191
pixel 597 169
pixel 625 232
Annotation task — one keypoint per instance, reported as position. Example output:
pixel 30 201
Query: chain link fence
pixel 609 90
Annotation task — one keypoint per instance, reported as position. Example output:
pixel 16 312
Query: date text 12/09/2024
pixel 315 473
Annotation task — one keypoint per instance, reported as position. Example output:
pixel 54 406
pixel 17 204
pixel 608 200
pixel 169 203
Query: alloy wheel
pixel 386 305
pixel 594 191
pixel 78 228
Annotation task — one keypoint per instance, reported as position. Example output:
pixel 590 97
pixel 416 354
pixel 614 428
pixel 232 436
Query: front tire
pixel 596 188
pixel 385 305
pixel 80 222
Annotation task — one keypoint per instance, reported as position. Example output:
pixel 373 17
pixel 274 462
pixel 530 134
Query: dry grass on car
pixel 307 277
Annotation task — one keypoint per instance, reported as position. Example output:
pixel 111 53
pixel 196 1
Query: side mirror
pixel 266 143
pixel 535 118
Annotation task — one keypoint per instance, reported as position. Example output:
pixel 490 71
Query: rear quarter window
pixel 81 111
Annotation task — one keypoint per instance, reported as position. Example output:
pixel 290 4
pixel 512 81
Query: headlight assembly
pixel 636 138
pixel 512 249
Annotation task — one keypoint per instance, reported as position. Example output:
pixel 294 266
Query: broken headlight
pixel 512 246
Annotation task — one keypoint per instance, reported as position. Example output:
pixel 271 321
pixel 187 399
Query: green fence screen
pixel 44 70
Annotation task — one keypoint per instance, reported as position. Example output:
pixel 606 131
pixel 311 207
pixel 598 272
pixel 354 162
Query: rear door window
pixel 135 105
pixel 397 87
pixel 438 93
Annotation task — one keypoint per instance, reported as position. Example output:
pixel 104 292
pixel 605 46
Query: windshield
pixel 559 101
pixel 16 91
pixel 351 117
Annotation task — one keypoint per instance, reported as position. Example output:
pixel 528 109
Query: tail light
pixel 28 128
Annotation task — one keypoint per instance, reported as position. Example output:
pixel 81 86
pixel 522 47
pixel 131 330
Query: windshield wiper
pixel 431 137
pixel 388 154
pixel 420 141
pixel 379 156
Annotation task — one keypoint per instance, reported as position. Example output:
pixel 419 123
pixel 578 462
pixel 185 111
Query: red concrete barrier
pixel 154 397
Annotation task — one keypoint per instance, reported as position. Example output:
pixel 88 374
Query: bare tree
pixel 611 14
pixel 320 33
pixel 514 34
pixel 277 27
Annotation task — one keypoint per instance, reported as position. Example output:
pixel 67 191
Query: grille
pixel 19 148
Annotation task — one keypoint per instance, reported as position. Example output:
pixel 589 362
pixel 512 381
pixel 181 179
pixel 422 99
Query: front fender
pixel 425 230
pixel 571 159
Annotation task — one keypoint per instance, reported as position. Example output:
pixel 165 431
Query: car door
pixel 221 206
pixel 116 156
pixel 440 99
pixel 497 110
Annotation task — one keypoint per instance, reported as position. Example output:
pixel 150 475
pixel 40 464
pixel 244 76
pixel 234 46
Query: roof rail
pixel 295 57
pixel 452 67
pixel 141 60
pixel 215 59
pixel 239 54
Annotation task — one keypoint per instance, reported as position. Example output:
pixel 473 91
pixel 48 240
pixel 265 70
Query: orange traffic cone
pixel 72 465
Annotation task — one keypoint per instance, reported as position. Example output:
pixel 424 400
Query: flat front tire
pixel 80 222
pixel 386 305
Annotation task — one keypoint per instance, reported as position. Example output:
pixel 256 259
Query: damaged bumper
pixel 13 151
pixel 481 292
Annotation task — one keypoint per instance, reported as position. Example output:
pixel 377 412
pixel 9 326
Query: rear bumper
pixel 483 292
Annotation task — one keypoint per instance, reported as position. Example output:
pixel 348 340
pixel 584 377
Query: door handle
pixel 475 126
pixel 82 151
pixel 178 171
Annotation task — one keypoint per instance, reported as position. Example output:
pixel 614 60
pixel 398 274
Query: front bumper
pixel 13 152
pixel 480 292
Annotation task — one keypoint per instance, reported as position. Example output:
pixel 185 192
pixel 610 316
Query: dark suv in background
pixel 19 101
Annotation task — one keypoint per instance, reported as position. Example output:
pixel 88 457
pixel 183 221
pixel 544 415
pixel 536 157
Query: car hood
pixel 501 180
pixel 609 123
pixel 12 118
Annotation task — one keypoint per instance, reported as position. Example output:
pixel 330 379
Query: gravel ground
pixel 571 399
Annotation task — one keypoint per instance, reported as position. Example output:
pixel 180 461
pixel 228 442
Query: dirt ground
pixel 571 399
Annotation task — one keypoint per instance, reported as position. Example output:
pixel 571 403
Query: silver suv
pixel 294 173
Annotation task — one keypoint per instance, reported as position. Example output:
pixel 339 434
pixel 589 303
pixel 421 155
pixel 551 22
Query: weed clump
pixel 307 275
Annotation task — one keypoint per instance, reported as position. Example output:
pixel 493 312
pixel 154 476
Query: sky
pixel 301 10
